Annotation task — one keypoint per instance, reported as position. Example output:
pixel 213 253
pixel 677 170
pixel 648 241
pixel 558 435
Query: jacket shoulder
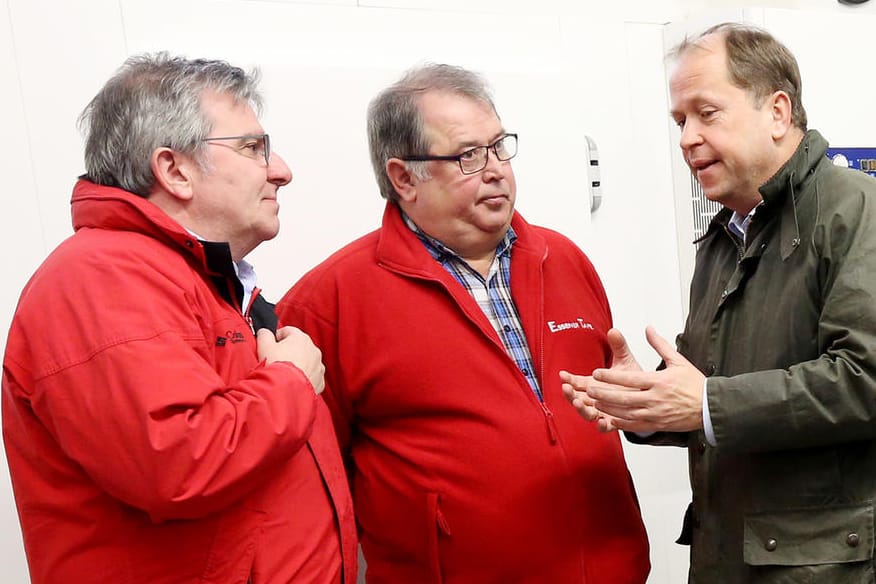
pixel 845 193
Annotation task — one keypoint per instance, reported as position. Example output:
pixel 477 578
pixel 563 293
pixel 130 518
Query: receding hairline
pixel 707 42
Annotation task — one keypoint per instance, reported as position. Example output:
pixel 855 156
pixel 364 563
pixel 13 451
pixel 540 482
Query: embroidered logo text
pixel 578 323
pixel 232 336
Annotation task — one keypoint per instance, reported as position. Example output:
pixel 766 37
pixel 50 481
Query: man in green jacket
pixel 773 385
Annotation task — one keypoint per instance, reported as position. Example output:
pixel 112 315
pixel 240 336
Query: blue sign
pixel 858 158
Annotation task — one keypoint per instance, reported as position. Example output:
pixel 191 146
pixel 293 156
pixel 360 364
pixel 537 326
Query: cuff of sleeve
pixel 707 418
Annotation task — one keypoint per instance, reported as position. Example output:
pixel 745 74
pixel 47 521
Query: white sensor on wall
pixel 594 184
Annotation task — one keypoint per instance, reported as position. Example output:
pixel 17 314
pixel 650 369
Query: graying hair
pixel 395 123
pixel 154 101
pixel 757 63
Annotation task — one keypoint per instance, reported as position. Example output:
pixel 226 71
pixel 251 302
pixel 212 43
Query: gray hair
pixel 756 63
pixel 395 123
pixel 154 101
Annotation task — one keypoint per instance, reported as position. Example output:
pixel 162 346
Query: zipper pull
pixel 442 522
pixel 549 420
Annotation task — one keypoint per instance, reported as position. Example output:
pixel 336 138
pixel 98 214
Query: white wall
pixel 568 68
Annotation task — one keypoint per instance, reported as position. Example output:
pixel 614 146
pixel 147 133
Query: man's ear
pixel 780 110
pixel 173 172
pixel 404 182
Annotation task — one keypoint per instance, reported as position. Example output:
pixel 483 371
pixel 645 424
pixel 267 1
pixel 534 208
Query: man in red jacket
pixel 157 429
pixel 443 334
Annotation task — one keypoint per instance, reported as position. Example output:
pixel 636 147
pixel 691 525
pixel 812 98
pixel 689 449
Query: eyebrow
pixel 471 144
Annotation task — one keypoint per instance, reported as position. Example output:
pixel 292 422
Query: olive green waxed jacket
pixel 785 328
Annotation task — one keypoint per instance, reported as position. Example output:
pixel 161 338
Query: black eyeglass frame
pixel 265 137
pixel 458 157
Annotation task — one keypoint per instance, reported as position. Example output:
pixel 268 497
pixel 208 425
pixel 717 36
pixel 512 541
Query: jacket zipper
pixel 548 415
pixel 549 422
pixel 740 248
pixel 246 316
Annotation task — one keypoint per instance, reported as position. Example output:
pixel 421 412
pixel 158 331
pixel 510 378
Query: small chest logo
pixel 230 337
pixel 578 323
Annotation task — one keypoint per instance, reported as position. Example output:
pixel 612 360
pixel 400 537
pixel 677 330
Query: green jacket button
pixel 771 545
pixel 852 539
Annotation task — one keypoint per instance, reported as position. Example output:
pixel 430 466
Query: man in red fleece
pixel 443 334
pixel 157 429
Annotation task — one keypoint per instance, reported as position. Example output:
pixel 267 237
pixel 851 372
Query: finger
pixel 585 408
pixel 286 332
pixel 625 425
pixel 605 424
pixel 622 379
pixel 618 344
pixel 664 348
pixel 568 391
pixel 620 412
pixel 574 396
pixel 610 398
pixel 578 382
pixel 264 335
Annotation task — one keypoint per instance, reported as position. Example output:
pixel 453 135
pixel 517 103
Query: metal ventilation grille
pixel 703 208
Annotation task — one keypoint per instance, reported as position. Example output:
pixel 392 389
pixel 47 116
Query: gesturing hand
pixel 575 387
pixel 668 400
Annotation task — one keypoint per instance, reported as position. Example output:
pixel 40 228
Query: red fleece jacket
pixel 460 475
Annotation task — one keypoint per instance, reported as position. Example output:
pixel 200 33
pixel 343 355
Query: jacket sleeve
pixel 830 398
pixel 134 398
pixel 659 438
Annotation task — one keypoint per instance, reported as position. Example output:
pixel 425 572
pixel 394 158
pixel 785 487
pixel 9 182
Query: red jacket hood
pixel 102 207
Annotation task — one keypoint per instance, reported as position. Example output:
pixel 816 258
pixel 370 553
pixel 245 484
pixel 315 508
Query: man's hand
pixel 293 345
pixel 575 387
pixel 669 400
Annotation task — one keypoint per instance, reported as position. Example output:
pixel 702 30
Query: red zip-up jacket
pixel 145 440
pixel 460 475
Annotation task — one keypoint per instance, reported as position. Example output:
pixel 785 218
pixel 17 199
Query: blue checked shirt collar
pixel 493 295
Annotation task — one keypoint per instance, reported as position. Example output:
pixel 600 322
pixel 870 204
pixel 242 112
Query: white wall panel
pixel 21 233
pixel 313 2
pixel 21 239
pixel 65 51
pixel 314 36
pixel 839 88
pixel 653 11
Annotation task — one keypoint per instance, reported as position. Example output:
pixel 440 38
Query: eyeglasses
pixel 253 146
pixel 475 159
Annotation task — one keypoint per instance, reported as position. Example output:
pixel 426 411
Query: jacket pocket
pixel 437 527
pixel 810 537
pixel 232 551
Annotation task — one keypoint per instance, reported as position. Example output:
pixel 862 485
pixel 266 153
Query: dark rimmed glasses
pixel 253 146
pixel 474 160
